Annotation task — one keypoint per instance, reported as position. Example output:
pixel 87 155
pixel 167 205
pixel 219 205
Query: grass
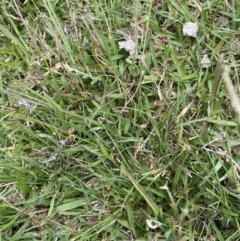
pixel 100 145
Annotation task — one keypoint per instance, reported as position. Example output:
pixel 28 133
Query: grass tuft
pixel 100 143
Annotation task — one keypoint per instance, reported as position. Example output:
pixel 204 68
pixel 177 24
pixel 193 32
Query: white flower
pixel 129 45
pixel 205 62
pixel 190 29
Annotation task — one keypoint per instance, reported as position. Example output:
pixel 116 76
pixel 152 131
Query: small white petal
pixel 150 225
pixel 165 187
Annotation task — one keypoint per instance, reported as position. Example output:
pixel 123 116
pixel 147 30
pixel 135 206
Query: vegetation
pixel 105 143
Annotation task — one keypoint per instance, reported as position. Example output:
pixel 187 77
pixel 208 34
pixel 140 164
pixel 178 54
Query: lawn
pixel 119 120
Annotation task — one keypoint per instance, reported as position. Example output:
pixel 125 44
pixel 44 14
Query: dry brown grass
pixel 231 90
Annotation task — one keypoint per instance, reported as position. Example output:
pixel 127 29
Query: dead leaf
pixel 91 221
pixel 183 112
pixel 58 66
pixel 157 236
pixel 159 103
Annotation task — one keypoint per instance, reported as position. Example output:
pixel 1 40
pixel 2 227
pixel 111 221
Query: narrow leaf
pixel 150 202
